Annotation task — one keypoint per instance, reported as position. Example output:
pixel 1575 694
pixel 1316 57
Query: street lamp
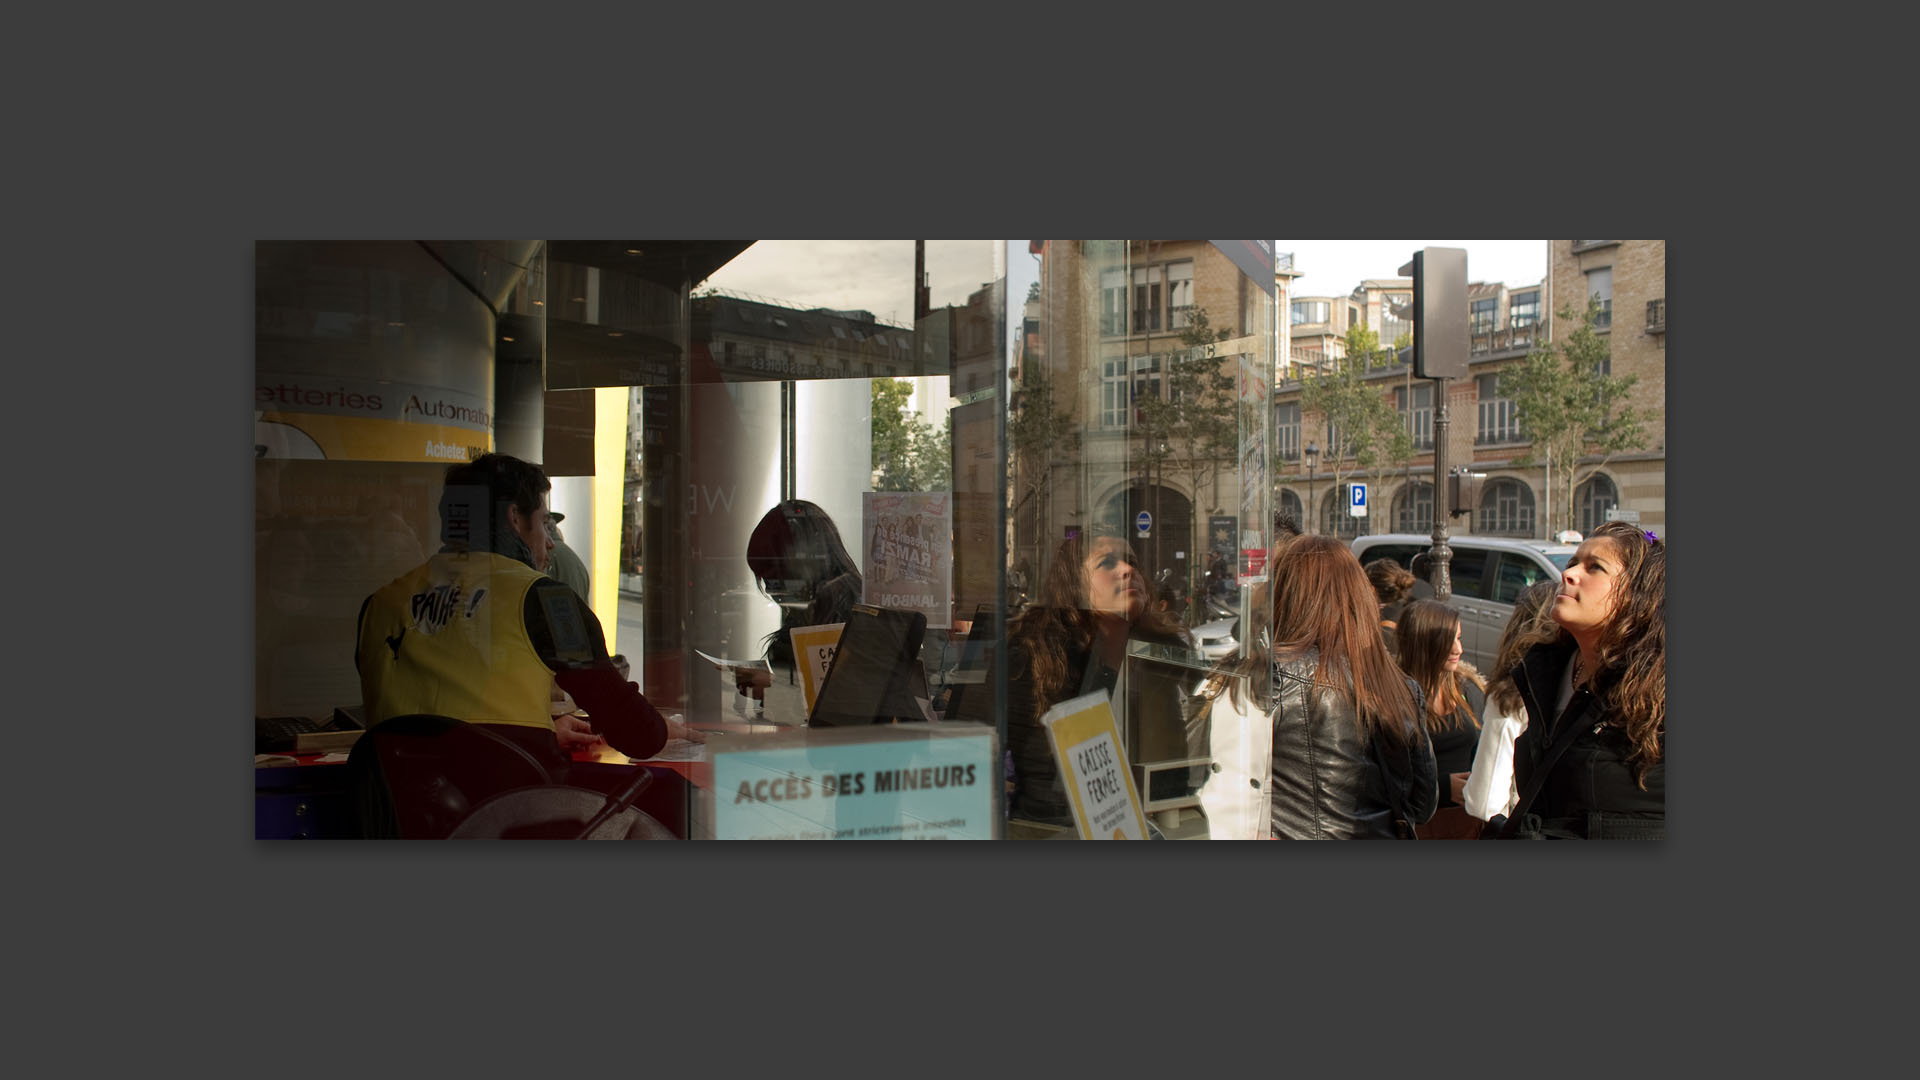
pixel 1312 452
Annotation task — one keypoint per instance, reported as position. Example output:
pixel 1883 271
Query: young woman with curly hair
pixel 1591 763
pixel 1350 757
pixel 1429 649
pixel 1093 600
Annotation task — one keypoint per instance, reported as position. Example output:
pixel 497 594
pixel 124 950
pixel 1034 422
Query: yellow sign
pixel 1086 744
pixel 360 438
pixel 813 652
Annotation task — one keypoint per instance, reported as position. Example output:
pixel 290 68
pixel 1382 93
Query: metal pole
pixel 1442 498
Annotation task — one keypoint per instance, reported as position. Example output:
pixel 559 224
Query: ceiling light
pixel 634 251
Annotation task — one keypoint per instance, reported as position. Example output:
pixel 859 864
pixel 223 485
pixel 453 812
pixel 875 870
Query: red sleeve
pixel 569 640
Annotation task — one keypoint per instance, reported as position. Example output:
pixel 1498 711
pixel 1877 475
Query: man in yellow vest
pixel 480 634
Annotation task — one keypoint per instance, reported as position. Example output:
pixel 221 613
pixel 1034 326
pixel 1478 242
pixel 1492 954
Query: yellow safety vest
pixel 450 639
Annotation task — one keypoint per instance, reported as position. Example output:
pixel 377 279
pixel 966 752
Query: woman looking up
pixel 1590 764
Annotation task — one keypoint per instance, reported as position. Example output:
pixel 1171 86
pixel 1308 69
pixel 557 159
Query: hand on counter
pixel 574 734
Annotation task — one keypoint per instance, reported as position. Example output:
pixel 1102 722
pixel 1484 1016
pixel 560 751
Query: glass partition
pixel 1049 458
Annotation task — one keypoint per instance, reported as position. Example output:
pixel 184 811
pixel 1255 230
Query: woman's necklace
pixel 1579 668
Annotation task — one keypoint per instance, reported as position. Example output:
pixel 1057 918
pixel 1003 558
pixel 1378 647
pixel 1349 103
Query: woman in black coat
pixel 1350 757
pixel 1591 763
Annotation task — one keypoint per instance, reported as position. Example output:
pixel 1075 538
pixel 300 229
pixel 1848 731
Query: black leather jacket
pixel 1591 792
pixel 1326 785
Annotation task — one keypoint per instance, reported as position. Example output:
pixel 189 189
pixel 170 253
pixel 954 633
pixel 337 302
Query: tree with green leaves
pixel 1363 427
pixel 1194 430
pixel 908 454
pixel 1570 407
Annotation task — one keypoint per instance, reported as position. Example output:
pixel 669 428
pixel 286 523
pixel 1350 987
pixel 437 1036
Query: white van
pixel 1488 574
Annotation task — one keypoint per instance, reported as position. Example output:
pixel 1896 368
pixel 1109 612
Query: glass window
pixel 1466 569
pixel 1309 311
pixel 1180 294
pixel 1496 418
pixel 1483 314
pixel 1413 508
pixel 1146 299
pixel 1516 575
pixel 1600 287
pixel 1524 310
pixel 1506 508
pixel 1594 497
pixel 1286 431
pixel 1419 421
pixel 1113 302
pixel 734 413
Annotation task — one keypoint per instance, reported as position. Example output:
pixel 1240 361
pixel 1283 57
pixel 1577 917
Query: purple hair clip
pixel 1652 537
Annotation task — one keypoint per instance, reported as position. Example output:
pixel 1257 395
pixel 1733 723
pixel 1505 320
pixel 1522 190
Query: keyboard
pixel 277 734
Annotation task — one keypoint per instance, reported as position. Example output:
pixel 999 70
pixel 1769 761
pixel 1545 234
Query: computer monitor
pixel 876 676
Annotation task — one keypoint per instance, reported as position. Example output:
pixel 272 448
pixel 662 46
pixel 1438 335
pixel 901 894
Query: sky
pixel 1334 267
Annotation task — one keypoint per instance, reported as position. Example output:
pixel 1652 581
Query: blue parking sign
pixel 1357 506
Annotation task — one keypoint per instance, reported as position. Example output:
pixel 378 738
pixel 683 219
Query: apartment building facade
pixel 1486 435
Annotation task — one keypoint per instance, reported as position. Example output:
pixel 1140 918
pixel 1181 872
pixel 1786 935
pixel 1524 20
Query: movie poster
pixel 906 555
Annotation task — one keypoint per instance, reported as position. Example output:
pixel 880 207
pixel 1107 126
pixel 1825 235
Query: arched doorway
pixel 1169 545
pixel 1592 499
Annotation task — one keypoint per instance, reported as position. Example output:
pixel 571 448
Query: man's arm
pixel 569 639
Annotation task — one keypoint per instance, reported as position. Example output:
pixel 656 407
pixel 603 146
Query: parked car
pixel 1215 639
pixel 1488 573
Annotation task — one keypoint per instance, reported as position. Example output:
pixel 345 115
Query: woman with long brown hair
pixel 1591 762
pixel 1428 644
pixel 1350 757
pixel 1093 599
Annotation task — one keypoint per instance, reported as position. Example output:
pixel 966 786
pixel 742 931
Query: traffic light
pixel 1440 313
pixel 1463 491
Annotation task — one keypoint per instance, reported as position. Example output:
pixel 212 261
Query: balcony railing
pixel 1657 316
pixel 1486 343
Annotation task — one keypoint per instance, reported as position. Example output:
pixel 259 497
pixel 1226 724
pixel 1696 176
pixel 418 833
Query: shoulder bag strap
pixel 1569 732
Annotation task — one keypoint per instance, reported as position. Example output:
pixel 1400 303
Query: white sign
pixel 1357 502
pixel 1631 517
pixel 1143 523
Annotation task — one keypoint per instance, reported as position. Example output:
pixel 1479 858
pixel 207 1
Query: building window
pixel 1413 508
pixel 1353 317
pixel 1419 423
pixel 1396 318
pixel 1309 311
pixel 1600 287
pixel 1483 315
pixel 1146 379
pixel 1506 508
pixel 1180 294
pixel 1524 309
pixel 1498 421
pixel 1146 300
pixel 1113 393
pixel 1113 302
pixel 1290 506
pixel 1286 431
pixel 1593 499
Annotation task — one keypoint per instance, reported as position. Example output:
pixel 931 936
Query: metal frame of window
pixel 1596 495
pixel 1413 507
pixel 1506 508
pixel 1420 423
pixel 1497 419
pixel 1286 431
